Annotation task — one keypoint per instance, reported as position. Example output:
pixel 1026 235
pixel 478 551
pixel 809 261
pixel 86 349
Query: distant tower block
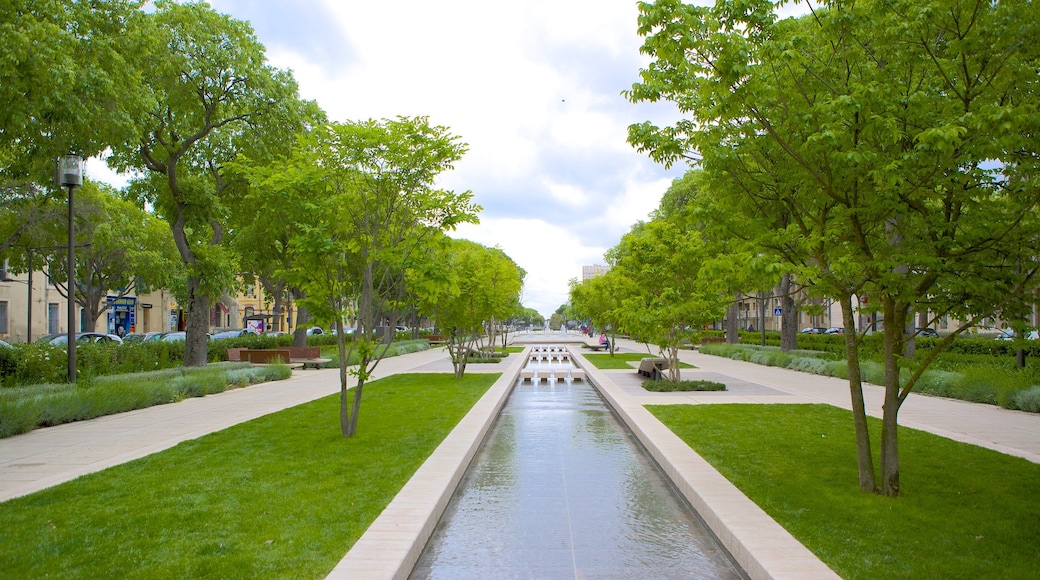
pixel 588 272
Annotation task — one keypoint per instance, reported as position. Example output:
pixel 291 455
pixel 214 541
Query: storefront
pixel 122 314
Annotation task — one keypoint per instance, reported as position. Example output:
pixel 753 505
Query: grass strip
pixel 282 496
pixel 621 360
pixel 964 512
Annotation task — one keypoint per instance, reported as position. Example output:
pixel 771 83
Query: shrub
pixel 25 408
pixel 668 386
pixel 1028 399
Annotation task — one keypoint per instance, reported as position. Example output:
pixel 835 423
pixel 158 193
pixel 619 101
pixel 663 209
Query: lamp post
pixel 69 173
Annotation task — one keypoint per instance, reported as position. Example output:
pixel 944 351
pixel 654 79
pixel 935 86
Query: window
pixel 3 317
pixel 52 318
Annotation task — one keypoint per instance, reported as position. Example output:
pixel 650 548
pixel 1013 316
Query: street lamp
pixel 69 173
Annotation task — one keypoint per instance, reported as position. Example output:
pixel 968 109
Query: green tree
pixel 874 124
pixel 123 250
pixel 212 98
pixel 367 208
pixel 667 295
pixel 69 81
pixel 464 287
pixel 599 300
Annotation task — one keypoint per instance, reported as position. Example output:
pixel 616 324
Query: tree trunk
pixel 198 325
pixel 895 323
pixel 673 363
pixel 303 319
pixel 732 322
pixel 865 459
pixel 788 316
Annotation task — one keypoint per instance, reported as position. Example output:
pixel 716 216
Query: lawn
pixel 281 496
pixel 965 512
pixel 621 360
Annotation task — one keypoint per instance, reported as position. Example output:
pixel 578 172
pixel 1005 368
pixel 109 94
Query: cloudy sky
pixel 533 87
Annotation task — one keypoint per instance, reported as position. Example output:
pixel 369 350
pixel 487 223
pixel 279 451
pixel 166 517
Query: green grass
pixel 965 511
pixel 621 360
pixel 282 496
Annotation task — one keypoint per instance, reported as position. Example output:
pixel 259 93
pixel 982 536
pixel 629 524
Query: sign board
pixel 777 311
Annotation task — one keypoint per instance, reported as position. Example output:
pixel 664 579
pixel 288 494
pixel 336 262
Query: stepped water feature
pixel 560 489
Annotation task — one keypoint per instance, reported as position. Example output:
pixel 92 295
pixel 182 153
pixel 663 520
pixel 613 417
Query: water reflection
pixel 560 490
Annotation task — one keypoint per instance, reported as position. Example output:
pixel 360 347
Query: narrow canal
pixel 560 489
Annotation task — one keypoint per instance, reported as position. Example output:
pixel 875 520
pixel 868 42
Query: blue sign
pixel 777 311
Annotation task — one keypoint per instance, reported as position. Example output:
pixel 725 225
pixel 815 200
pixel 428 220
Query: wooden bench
pixel 267 356
pixel 436 340
pixel 308 356
pixel 235 354
pixel 653 368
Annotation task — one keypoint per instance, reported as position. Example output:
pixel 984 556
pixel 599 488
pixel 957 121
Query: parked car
pixel 81 338
pixel 232 333
pixel 315 330
pixel 1008 334
pixel 177 336
pixel 5 345
pixel 146 337
pixel 834 330
pixel 927 332
pixel 813 330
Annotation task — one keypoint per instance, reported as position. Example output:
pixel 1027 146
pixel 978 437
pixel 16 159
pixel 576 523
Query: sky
pixel 533 87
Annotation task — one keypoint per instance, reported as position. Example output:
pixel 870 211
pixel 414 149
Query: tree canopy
pixel 895 137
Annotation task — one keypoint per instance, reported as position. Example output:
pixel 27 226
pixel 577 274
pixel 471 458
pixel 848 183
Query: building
pixel 588 272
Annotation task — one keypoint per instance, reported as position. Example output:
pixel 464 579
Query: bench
pixel 577 374
pixel 267 356
pixel 308 356
pixel 436 340
pixel 527 375
pixel 235 354
pixel 653 368
pixel 594 345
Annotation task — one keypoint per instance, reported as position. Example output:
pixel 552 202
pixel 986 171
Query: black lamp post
pixel 69 173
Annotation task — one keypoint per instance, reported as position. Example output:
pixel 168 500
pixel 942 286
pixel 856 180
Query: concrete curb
pixel 759 545
pixel 393 543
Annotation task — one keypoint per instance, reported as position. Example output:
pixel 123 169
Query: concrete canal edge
pixel 393 543
pixel 759 545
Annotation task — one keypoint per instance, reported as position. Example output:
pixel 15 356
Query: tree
pixel 212 97
pixel 69 82
pixel 599 299
pixel 873 124
pixel 668 295
pixel 367 208
pixel 464 287
pixel 124 250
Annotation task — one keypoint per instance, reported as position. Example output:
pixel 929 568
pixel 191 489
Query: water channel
pixel 561 489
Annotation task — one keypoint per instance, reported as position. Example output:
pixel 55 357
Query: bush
pixel 668 386
pixel 25 408
pixel 1028 399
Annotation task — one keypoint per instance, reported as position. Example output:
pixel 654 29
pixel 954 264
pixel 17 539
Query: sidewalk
pixel 47 457
pixel 1012 432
